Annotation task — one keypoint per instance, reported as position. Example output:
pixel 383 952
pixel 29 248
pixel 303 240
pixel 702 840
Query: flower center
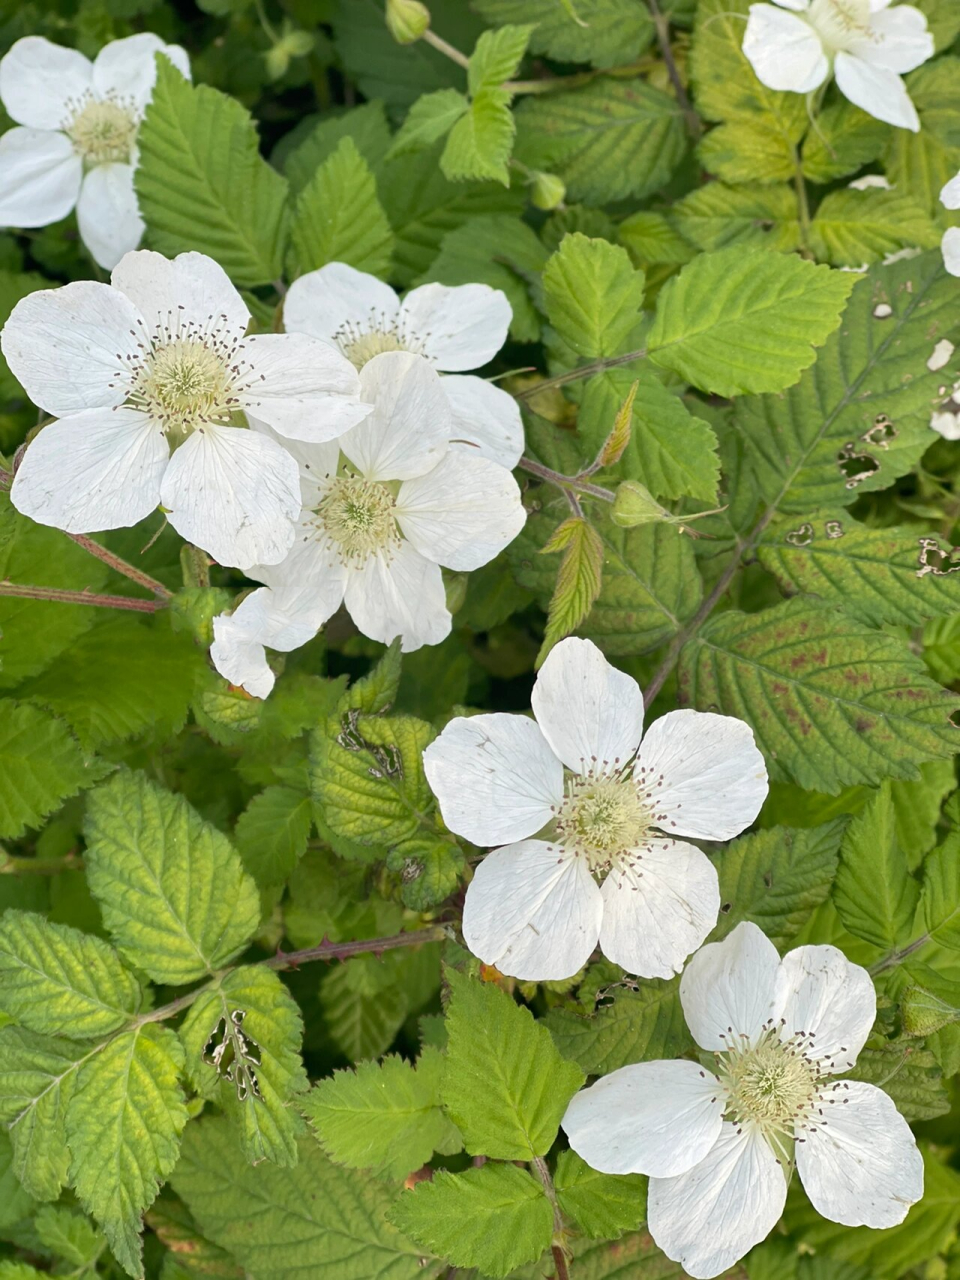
pixel 361 342
pixel 186 380
pixel 359 517
pixel 772 1083
pixel 103 132
pixel 839 22
pixel 603 818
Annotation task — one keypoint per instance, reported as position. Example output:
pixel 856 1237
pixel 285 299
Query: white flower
pixel 78 146
pixel 150 378
pixel 607 806
pixel 718 1144
pixel 950 199
pixel 382 510
pixel 793 44
pixel 454 328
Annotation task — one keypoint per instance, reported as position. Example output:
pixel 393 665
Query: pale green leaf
pixel 920 163
pixel 635 1026
pixel 940 893
pixel 41 765
pixel 430 118
pixel 748 148
pixel 172 888
pixel 338 218
pixel 56 979
pixel 497 57
pixel 743 320
pixel 874 893
pixel 366 126
pixel 603 1205
pixel 479 144
pixel 717 215
pixel 272 832
pixel 607 33
pixel 856 227
pixel 578 579
pixel 124 1123
pixel 505 1085
pixel 202 184
pixel 68 1235
pixel 652 238
pixel 844 140
pixel 16 1203
pixel 494 1218
pixel 910 1076
pixel 592 295
pixel 830 701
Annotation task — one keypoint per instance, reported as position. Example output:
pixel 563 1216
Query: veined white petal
pixel 461 327
pixel 710 1217
pixel 705 774
pixel 406 435
pixel 820 993
pixel 784 50
pixel 62 346
pixel 317 462
pixel 126 68
pixel 325 302
pixel 950 193
pixel 860 1165
pixel 191 286
pixel 108 215
pixel 950 246
pixel 399 594
pixel 99 469
pixel 898 40
pixel 659 1118
pixel 39 81
pixel 234 493
pixel 530 912
pixel 238 654
pixel 659 908
pixel 495 777
pixel 39 177
pixel 301 387
pixel 728 989
pixel 798 6
pixel 879 92
pixel 486 419
pixel 463 512
pixel 590 713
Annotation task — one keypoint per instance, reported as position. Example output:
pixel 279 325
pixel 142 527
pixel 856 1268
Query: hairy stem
pixel 565 482
pixel 894 958
pixel 122 566
pixel 662 26
pixel 542 1172
pixel 582 371
pixel 65 596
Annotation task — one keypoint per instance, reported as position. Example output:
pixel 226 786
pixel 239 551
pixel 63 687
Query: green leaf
pixel 430 869
pixel 592 295
pixel 172 888
pixel 830 701
pixel 16 1203
pixel 505 1085
pixel 854 227
pixel 578 579
pixel 202 184
pixel 748 149
pixel 652 238
pixel 190 1256
pixel 921 163
pixel 57 979
pixel 636 1026
pixel 874 893
pixel 41 765
pixel 607 33
pixel 260 1073
pixel 717 215
pixel 272 832
pixel 603 1205
pixel 494 1218
pixel 384 1116
pixel 844 140
pixel 68 1235
pixel 909 1075
pixel 124 1124
pixel 497 57
pixel 316 1218
pixel 609 140
pixel 940 893
pixel 366 126
pixel 861 416
pixel 338 218
pixel 743 320
pixel 429 119
pixel 363 1010
pixel 479 144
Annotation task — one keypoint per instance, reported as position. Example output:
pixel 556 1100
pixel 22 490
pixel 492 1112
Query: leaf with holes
pixel 635 1026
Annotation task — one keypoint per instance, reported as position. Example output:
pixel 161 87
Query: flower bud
pixel 292 44
pixel 923 1013
pixel 546 190
pixel 407 20
pixel 634 504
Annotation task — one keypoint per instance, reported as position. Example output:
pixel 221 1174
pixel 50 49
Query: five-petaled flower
pixel 718 1144
pixel 76 146
pixel 608 808
pixel 383 509
pixel 153 383
pixel 455 329
pixel 868 44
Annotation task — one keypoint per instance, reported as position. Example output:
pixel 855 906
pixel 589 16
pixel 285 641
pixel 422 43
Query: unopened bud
pixel 407 20
pixel 292 44
pixel 634 505
pixel 923 1013
pixel 546 190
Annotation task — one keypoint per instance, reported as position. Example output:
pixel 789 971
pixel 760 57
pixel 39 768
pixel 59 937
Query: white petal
pixel 323 302
pixel 898 40
pixel 532 914
pixel 463 512
pixel 495 777
pixel 39 82
pixel 823 995
pixel 462 327
pixel 710 1217
pixel 237 653
pixel 234 493
pixel 108 215
pixel 317 462
pixel 784 50
pixel 798 6
pixel 659 1118
pixel 486 418
pixel 301 387
pixel 127 68
pixel 659 908
pixel 860 1166
pixel 879 92
pixel 406 435
pixel 950 194
pixel 704 774
pixel 100 469
pixel 191 286
pixel 728 989
pixel 62 345
pixel 399 595
pixel 948 424
pixel 588 710
pixel 39 177
pixel 950 245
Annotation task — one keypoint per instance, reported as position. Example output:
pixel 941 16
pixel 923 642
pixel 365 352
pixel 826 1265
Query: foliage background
pixel 167 841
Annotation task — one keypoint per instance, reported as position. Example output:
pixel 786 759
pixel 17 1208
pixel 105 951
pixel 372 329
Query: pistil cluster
pixel 361 341
pixel 103 131
pixel 359 517
pixel 602 818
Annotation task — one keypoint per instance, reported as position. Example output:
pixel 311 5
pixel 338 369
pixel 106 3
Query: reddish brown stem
pixel 64 596
pixel 121 566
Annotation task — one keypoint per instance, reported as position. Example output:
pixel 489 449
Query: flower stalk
pixel 65 596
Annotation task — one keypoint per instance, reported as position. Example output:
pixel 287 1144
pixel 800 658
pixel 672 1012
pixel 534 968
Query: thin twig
pixel 14 865
pixel 565 482
pixel 447 50
pixel 894 958
pixel 542 1172
pixel 64 596
pixel 582 371
pixel 662 26
pixel 122 566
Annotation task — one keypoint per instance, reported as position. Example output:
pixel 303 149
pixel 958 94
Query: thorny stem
pixel 896 957
pixel 65 596
pixel 539 1166
pixel 582 371
pixel 662 25
pixel 122 566
pixel 565 482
